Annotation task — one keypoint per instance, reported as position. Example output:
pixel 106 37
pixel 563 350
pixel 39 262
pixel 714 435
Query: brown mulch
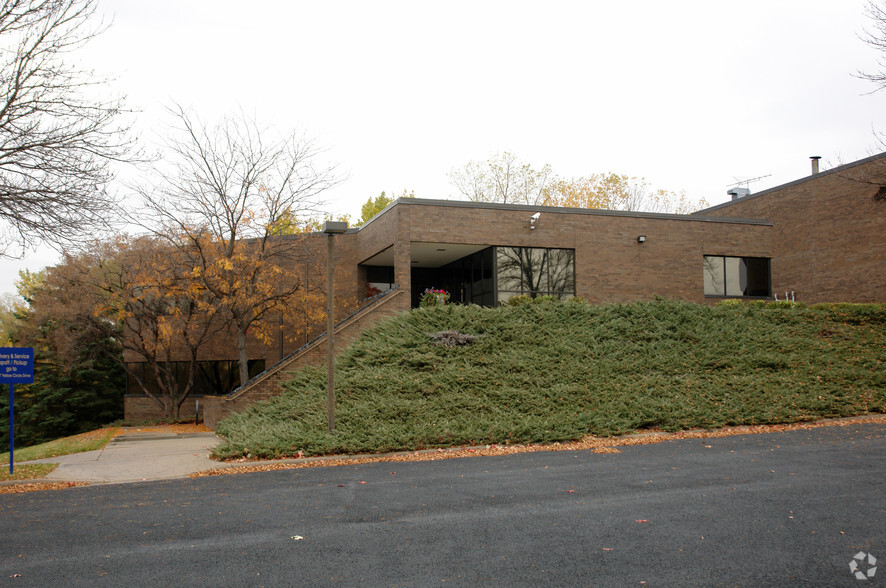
pixel 595 444
pixel 35 486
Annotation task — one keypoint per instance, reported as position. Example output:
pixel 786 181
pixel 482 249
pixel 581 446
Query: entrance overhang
pixel 430 255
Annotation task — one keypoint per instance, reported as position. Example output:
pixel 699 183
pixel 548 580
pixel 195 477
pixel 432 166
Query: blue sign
pixel 16 365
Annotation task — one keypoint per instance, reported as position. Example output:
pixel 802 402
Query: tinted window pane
pixel 757 277
pixel 736 276
pixel 714 284
pixel 509 264
pixel 561 264
pixel 132 379
pixel 535 270
pixel 503 296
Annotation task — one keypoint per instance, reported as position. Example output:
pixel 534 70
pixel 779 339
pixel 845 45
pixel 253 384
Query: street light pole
pixel 331 228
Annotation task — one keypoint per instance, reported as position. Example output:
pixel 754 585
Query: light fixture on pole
pixel 331 228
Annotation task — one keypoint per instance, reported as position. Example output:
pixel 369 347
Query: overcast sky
pixel 691 95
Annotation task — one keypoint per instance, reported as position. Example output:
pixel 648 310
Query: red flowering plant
pixel 433 297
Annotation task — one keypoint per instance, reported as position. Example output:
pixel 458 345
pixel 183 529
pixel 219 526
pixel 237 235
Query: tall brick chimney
pixel 815 159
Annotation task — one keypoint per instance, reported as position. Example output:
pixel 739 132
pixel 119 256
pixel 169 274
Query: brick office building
pixel 821 237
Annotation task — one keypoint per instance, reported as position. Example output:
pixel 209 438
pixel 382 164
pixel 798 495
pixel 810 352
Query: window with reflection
pixel 736 276
pixel 534 271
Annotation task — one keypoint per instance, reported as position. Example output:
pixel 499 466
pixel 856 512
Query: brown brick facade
pixel 142 409
pixel 829 233
pixel 611 265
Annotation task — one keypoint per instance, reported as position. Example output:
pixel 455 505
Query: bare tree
pixel 56 140
pixel 234 196
pixel 502 179
pixel 876 38
pixel 505 179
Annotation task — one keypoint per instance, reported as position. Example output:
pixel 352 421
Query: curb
pixel 675 435
pixel 359 458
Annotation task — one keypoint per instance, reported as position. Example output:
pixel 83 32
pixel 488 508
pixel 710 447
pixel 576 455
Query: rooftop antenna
pixel 747 183
pixel 738 192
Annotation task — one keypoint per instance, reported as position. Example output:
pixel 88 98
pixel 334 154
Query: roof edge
pixel 566 210
pixel 797 182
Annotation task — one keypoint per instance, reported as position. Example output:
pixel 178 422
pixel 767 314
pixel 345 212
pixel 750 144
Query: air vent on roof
pixel 737 193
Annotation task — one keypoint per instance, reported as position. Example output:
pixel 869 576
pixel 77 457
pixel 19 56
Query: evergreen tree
pixel 78 384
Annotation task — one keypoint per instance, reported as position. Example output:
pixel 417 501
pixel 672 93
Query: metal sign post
pixel 16 367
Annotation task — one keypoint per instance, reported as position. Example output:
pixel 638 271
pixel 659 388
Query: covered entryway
pixel 477 274
pixel 467 272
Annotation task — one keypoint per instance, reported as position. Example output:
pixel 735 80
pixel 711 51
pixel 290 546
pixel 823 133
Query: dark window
pixel 378 279
pixel 736 276
pixel 534 271
pixel 214 378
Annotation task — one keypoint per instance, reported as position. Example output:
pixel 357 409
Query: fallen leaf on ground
pixel 597 444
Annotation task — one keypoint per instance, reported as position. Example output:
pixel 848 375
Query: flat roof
pixel 566 210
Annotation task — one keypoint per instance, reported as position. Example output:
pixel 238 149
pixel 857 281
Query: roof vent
pixel 737 193
pixel 815 159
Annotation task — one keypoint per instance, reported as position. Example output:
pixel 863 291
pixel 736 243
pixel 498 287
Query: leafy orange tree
pixel 618 192
pixel 235 203
pixel 135 292
pixel 505 179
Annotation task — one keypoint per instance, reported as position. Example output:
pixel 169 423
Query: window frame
pixel 726 280
pixel 527 254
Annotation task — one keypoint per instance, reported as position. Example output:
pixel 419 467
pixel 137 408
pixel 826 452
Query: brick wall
pixel 610 265
pixel 141 408
pixel 829 233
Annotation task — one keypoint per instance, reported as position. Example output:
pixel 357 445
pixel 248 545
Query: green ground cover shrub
pixel 560 371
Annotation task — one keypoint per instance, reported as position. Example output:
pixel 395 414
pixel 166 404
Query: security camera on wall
pixel 533 220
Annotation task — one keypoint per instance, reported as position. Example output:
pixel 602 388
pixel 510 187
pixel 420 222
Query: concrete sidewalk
pixel 135 456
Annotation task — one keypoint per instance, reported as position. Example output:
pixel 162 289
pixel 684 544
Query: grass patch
pixel 89 441
pixel 561 371
pixel 28 471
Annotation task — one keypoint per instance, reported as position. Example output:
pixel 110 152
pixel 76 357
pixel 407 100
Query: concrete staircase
pixel 267 383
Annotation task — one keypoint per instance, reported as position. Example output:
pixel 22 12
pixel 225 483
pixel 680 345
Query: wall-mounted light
pixel 533 221
pixel 641 239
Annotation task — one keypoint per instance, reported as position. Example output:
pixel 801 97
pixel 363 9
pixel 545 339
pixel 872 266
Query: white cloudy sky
pixel 691 95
